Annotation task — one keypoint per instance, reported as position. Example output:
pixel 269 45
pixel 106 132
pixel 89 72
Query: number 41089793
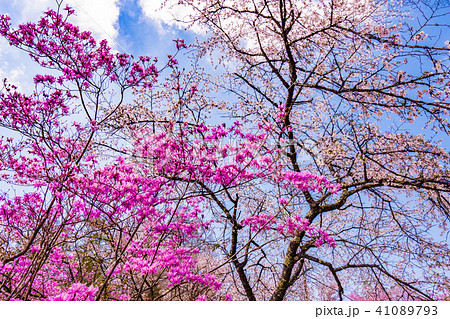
pixel 407 310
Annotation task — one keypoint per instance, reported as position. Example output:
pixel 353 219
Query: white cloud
pixel 31 10
pixel 98 16
pixel 171 15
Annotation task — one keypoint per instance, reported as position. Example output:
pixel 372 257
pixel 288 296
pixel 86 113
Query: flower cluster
pixel 307 181
pixel 76 292
pixel 261 221
pixel 289 227
pixel 296 225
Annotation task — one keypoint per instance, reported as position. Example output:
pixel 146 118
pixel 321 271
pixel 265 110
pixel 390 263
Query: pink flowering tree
pixel 121 185
pixel 79 222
